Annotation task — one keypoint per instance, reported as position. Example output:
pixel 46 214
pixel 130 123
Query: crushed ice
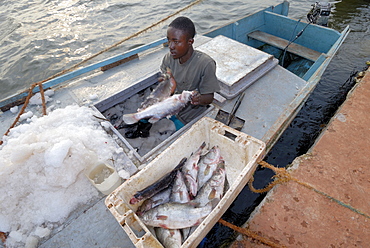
pixel 42 177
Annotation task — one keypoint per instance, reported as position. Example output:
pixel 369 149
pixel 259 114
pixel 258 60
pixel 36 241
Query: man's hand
pixel 198 99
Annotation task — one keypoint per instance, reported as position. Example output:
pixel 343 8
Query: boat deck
pixel 268 106
pixel 295 216
pixel 276 107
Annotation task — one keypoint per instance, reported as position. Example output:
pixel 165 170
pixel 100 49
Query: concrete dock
pixel 339 165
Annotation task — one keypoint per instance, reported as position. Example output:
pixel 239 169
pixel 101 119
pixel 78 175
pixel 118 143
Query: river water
pixel 39 38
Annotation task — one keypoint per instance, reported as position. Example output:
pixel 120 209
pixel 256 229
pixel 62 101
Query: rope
pixel 87 59
pixel 26 104
pixel 251 234
pixel 283 176
pixel 42 99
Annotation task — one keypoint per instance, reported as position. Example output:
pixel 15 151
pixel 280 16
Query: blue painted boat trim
pixel 324 59
pixel 83 70
pixel 247 24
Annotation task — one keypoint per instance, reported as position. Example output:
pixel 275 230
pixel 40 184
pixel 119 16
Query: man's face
pixel 178 42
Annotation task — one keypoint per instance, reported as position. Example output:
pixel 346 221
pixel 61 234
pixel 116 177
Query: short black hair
pixel 185 24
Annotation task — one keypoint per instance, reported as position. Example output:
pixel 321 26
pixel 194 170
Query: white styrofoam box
pixel 238 65
pixel 241 153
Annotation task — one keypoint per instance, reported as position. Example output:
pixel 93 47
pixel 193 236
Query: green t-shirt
pixel 198 73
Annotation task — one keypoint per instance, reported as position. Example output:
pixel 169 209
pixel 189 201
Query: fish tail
pixel 130 118
pixel 203 145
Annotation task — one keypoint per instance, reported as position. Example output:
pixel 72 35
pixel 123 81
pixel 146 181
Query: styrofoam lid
pixel 234 60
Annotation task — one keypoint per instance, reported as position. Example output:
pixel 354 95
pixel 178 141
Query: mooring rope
pixel 87 59
pixel 26 104
pixel 283 176
pixel 251 234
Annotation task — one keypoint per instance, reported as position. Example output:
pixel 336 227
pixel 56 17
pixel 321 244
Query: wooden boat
pixel 295 56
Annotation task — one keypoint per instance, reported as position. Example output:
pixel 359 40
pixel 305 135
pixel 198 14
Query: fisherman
pixel 190 69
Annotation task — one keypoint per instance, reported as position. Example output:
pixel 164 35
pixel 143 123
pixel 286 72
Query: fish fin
pixel 162 217
pixel 134 200
pixel 194 204
pixel 163 226
pixel 202 146
pixel 221 164
pixel 207 170
pixel 212 194
pixel 199 221
pixel 193 187
pixel 172 232
pixel 130 118
pixel 154 119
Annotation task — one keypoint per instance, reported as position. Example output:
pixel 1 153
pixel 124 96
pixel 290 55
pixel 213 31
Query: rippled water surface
pixel 39 38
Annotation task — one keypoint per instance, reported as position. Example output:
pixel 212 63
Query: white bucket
pixel 104 177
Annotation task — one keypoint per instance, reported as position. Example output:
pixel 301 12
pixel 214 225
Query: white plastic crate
pixel 241 153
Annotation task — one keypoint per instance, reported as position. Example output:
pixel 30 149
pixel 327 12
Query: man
pixel 191 70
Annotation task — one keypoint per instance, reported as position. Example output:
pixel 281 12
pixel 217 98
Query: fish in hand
pixel 163 90
pixel 167 107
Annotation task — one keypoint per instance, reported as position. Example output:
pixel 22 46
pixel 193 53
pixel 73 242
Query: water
pixel 39 38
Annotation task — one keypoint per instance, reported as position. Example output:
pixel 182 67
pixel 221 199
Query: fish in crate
pixel 177 208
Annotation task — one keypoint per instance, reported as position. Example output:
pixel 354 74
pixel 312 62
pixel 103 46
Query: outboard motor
pixel 319 14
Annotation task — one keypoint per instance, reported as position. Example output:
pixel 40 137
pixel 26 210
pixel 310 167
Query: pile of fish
pixel 177 203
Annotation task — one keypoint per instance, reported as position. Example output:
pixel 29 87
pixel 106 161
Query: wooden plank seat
pixel 294 48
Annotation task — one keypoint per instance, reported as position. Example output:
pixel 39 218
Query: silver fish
pixel 158 199
pixel 176 215
pixel 179 192
pixel 158 186
pixel 207 165
pixel 167 107
pixel 169 238
pixel 161 92
pixel 213 188
pixel 190 170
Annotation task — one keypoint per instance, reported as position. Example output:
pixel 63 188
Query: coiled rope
pixel 87 59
